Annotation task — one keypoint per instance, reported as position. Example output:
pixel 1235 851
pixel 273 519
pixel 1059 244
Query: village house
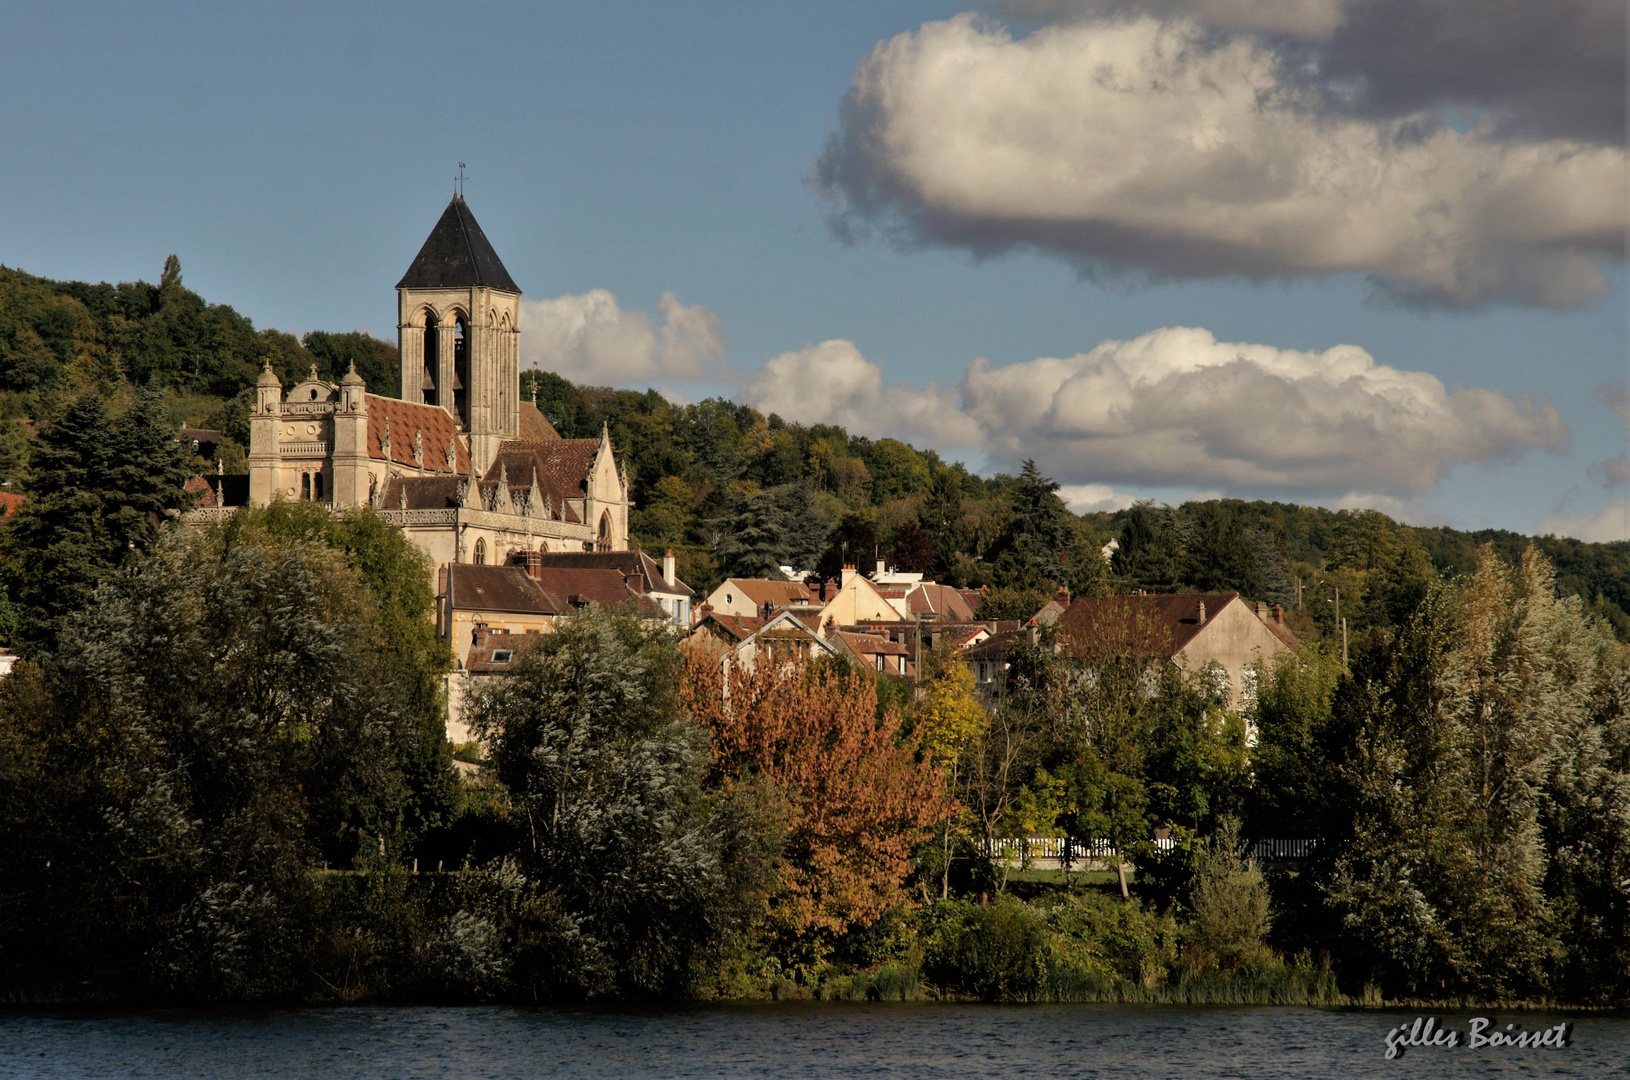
pixel 658 583
pixel 485 608
pixel 1192 631
pixel 785 635
pixel 761 597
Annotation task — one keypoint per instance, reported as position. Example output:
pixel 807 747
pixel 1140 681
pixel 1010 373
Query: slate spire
pixel 457 255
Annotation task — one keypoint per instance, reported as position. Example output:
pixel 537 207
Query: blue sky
pixel 296 156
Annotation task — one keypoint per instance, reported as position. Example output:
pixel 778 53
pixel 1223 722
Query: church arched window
pixel 432 357
pixel 461 371
pixel 317 486
pixel 603 542
pixel 480 552
pixel 305 485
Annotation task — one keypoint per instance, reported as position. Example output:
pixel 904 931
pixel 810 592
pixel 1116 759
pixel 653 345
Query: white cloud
pixel 1177 408
pixel 832 383
pixel 1150 146
pixel 1094 498
pixel 1311 20
pixel 590 338
pixel 1611 522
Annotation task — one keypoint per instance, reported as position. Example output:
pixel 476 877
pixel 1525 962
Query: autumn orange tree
pixel 858 797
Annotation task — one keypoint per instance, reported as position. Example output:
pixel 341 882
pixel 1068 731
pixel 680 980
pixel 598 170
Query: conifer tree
pixel 99 490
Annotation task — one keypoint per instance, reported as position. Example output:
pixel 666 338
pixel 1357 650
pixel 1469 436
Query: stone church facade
pixel 470 472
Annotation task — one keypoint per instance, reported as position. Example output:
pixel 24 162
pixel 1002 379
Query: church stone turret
pixel 351 460
pixel 457 311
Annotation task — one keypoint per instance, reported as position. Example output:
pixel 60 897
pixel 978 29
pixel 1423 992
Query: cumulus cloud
pixel 589 337
pixel 1095 498
pixel 1310 20
pixel 1154 146
pixel 1543 69
pixel 1177 408
pixel 832 383
pixel 1611 522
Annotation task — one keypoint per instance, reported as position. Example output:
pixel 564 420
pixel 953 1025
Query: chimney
pixel 848 574
pixel 636 582
pixel 881 570
pixel 1279 615
pixel 1032 633
pixel 1262 611
pixel 1062 596
pixel 1202 612
pixel 668 566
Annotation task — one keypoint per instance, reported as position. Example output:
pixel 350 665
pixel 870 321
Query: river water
pixel 812 1040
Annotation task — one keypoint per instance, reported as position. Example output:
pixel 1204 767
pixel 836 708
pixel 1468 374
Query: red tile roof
pixel 781 594
pixel 482 661
pixel 576 586
pixel 421 492
pixel 408 420
pixel 624 562
pixel 1163 623
pixel 535 427
pixel 500 588
pixel 940 600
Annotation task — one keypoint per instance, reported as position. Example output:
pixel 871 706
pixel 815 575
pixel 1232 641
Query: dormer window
pixel 314 395
pixel 502 656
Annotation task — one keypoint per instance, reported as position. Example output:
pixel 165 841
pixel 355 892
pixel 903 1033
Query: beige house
pixel 756 596
pixel 859 601
pixel 1193 631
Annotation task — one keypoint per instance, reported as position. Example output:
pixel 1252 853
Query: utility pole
pixel 1344 643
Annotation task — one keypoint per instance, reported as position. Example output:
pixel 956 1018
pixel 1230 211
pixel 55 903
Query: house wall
pixel 728 599
pixel 858 602
pixel 1235 638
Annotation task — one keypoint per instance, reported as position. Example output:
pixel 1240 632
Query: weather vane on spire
pixel 458 184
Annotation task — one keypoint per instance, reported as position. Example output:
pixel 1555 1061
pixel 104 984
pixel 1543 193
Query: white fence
pixel 1054 852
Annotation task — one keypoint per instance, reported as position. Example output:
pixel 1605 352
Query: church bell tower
pixel 457 310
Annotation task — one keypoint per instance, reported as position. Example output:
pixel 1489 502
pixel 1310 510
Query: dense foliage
pixel 224 754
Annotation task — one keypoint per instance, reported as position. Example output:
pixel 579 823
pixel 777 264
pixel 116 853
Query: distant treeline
pixel 736 492
pixel 224 754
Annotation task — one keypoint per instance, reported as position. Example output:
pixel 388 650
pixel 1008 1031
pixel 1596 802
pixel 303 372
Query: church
pixel 469 471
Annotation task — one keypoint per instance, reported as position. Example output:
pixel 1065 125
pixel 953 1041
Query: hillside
pixel 736 492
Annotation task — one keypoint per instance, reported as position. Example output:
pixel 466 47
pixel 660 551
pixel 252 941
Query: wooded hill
pixel 736 492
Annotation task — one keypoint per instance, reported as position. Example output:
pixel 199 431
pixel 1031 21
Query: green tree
pixel 1230 899
pixel 756 541
pixel 642 879
pixel 223 719
pixel 375 360
pixel 1041 530
pixel 97 489
pixel 1150 551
